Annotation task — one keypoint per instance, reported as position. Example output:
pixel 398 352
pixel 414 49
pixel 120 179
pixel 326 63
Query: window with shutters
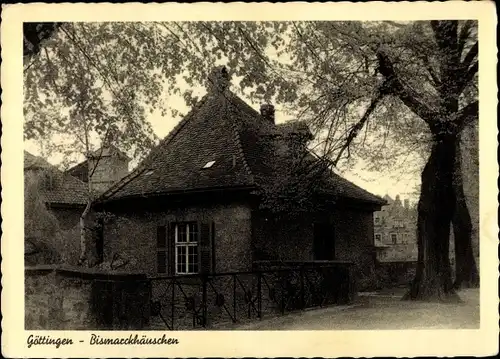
pixel 186 248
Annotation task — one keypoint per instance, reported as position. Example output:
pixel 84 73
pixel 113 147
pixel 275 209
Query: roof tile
pixel 66 189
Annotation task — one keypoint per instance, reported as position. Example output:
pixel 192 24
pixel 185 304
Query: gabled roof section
pixel 208 133
pixel 108 151
pixel 64 189
pixel 221 128
pixel 347 189
pixel 105 151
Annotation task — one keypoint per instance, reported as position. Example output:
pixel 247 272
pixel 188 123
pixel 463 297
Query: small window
pixel 394 238
pixel 377 220
pixel 186 248
pixel 209 164
pixel 148 173
pixel 378 238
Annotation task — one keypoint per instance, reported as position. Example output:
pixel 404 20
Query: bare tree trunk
pixel 466 269
pixel 83 217
pixel 435 210
pixel 83 235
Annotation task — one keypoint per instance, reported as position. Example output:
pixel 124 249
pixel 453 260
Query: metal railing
pixel 205 301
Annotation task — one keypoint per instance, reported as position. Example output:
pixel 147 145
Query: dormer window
pixel 209 164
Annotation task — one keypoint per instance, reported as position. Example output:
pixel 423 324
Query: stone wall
pixel 354 243
pixel 395 274
pixel 293 241
pixel 67 218
pixel 398 253
pixel 58 298
pixel 133 235
pixel 282 240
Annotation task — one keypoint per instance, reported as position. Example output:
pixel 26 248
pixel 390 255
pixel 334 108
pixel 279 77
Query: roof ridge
pixel 240 146
pixel 152 156
pixel 361 188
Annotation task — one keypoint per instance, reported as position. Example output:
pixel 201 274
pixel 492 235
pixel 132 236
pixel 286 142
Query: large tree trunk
pixel 466 270
pixel 435 210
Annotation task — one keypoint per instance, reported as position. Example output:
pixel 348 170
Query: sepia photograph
pixel 294 175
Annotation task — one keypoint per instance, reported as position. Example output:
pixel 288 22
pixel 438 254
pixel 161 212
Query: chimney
pixel 218 80
pixel 407 203
pixel 267 112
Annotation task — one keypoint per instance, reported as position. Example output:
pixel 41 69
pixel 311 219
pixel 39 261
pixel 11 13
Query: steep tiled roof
pixel 221 128
pixel 63 189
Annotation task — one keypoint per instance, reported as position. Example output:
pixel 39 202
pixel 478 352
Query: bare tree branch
pixel 405 93
pixel 359 125
pixel 464 34
pixel 470 56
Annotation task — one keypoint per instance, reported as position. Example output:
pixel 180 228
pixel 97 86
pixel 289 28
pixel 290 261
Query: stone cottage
pixel 195 204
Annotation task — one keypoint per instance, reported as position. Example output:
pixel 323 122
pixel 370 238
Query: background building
pixel 395 231
pixel 107 165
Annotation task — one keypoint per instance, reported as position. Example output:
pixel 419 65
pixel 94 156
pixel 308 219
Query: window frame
pixel 186 244
pixel 380 237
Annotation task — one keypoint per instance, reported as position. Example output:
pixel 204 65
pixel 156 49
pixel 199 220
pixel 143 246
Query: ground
pixel 380 310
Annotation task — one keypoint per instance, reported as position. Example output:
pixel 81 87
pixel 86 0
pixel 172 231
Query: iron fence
pixel 206 301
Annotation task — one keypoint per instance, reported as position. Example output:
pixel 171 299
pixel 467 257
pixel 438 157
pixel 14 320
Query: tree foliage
pixel 41 229
pixel 380 91
pixel 321 72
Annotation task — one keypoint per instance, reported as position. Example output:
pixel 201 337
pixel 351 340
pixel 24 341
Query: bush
pixel 42 235
pixel 70 246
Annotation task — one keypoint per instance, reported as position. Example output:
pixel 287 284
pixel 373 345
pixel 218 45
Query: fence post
pixel 259 295
pixel 302 294
pixel 282 296
pixel 234 296
pixel 172 309
pixel 204 300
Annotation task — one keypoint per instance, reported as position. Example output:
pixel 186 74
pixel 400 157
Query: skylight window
pixel 148 173
pixel 209 164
